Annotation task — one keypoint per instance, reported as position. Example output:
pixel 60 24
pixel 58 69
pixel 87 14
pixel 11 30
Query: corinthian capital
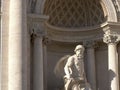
pixel 110 38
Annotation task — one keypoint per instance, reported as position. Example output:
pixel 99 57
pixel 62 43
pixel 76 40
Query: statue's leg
pixel 82 89
pixel 68 84
pixel 76 87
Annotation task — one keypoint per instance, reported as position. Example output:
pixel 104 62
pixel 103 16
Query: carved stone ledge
pixel 73 35
pixel 37 18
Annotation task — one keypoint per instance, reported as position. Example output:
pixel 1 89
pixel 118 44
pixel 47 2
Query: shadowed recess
pixel 74 13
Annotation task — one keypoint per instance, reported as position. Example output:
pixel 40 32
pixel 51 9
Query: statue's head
pixel 79 50
pixel 79 47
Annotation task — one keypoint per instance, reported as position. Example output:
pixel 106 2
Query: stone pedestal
pixel 112 41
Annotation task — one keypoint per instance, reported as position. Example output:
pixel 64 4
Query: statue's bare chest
pixel 78 64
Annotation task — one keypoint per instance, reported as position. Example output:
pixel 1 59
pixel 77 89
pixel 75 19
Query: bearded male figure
pixel 74 70
pixel 74 78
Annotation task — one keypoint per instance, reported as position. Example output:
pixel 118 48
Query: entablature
pixel 74 34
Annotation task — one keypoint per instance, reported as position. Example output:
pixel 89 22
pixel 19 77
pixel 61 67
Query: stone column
pixel 45 61
pixel 37 25
pixel 17 58
pixel 46 42
pixel 4 44
pixel 112 40
pixel 38 78
pixel 90 45
pixel 45 65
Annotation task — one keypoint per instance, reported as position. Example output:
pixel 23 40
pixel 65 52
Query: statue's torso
pixel 77 68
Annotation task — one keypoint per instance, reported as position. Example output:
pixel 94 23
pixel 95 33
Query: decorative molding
pixel 46 41
pixel 36 21
pixel 36 25
pixel 110 38
pixel 73 35
pixel 112 26
pixel 90 44
pixel 111 12
pixel 117 8
pixel 37 18
pixel 112 32
pixel 36 34
pixel 81 34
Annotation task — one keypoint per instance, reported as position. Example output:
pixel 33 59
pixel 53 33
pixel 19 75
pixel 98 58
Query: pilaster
pixel 4 44
pixel 38 80
pixel 90 46
pixel 18 37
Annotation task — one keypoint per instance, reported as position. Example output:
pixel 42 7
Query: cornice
pixel 92 28
pixel 81 34
pixel 74 34
pixel 36 17
pixel 112 28
pixel 111 32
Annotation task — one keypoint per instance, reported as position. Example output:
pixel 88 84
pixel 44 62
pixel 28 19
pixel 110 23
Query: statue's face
pixel 79 52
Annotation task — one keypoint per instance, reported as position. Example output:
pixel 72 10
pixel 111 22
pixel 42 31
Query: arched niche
pixel 75 14
pixel 107 6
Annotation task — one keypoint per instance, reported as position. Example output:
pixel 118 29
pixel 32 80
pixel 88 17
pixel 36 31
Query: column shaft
pixel 38 64
pixel 17 62
pixel 45 65
pixel 112 39
pixel 37 34
pixel 91 67
pixel 113 67
pixel 4 44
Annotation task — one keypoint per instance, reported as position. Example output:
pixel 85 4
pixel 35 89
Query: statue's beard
pixel 79 55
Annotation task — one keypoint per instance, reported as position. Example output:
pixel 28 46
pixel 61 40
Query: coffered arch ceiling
pixel 78 20
pixel 75 13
